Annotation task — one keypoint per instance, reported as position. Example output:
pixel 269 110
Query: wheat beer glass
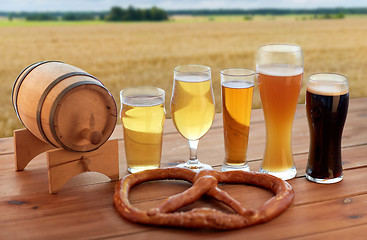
pixel 279 70
pixel 327 99
pixel 192 108
pixel 237 91
pixel 142 115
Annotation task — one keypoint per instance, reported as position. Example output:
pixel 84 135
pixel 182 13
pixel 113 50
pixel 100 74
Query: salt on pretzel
pixel 204 182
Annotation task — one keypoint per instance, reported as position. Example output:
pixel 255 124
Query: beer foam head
pixel 279 70
pixel 192 78
pixel 143 101
pixel 328 84
pixel 144 96
pixel 282 48
pixel 237 84
pixel 192 73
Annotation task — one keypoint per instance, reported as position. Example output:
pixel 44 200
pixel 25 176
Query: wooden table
pixel 84 209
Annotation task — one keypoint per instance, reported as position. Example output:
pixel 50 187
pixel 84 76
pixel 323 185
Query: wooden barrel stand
pixel 63 164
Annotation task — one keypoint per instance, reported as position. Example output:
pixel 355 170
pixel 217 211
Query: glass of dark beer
pixel 327 100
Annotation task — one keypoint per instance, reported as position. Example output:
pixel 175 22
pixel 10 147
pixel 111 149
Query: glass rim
pixel 280 48
pixel 248 74
pixel 161 92
pixel 328 77
pixel 204 70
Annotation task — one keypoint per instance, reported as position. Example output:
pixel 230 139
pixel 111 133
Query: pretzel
pixel 204 182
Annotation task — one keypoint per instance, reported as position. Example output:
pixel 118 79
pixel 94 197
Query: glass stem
pixel 193 145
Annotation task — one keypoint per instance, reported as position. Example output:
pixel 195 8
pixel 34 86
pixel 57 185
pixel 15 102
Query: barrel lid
pixel 83 116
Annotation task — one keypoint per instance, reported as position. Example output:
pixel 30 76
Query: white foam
pixel 280 70
pixel 192 78
pixel 237 84
pixel 143 101
pixel 328 89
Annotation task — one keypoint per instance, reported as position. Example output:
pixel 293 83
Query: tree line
pixel 136 14
pixel 157 14
pixel 269 11
pixel 115 14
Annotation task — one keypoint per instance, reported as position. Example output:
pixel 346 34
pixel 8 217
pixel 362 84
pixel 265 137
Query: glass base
pixel 324 180
pixel 197 167
pixel 139 169
pixel 284 175
pixel 230 167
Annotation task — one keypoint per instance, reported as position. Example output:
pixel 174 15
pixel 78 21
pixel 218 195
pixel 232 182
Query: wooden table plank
pixel 325 215
pixel 34 178
pixel 6 144
pixel 56 206
pixel 355 232
pixel 297 221
pixel 84 207
pixel 305 192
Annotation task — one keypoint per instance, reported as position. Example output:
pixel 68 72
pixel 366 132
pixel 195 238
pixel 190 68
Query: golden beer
pixel 192 106
pixel 143 131
pixel 279 86
pixel 237 104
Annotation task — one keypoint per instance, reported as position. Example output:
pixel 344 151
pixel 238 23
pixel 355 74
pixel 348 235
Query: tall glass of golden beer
pixel 192 108
pixel 142 115
pixel 237 91
pixel 279 70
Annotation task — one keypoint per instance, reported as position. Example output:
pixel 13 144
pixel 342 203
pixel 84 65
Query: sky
pixel 101 5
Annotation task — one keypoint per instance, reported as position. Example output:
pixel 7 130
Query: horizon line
pixel 193 10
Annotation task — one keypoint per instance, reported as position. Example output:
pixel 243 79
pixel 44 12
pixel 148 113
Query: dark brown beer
pixel 326 113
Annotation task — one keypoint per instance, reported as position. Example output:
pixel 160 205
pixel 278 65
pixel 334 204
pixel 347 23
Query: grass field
pixel 130 54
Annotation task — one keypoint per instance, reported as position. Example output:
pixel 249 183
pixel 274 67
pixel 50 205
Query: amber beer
pixel 192 106
pixel 327 99
pixel 279 86
pixel 237 92
pixel 143 117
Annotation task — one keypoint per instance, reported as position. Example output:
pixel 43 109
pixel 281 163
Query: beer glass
pixel 327 99
pixel 142 115
pixel 237 91
pixel 192 108
pixel 279 70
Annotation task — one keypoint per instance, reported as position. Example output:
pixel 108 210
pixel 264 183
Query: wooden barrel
pixel 64 106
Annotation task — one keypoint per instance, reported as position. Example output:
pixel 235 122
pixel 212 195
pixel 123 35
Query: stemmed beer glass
pixel 279 70
pixel 192 108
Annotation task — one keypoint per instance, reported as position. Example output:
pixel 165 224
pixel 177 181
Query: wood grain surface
pixel 83 208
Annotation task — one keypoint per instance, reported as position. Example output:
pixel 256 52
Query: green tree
pixel 136 14
pixel 157 14
pixel 41 17
pixel 116 14
pixel 69 17
pixel 78 16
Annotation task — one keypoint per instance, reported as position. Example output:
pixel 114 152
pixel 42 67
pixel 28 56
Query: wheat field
pixel 130 54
